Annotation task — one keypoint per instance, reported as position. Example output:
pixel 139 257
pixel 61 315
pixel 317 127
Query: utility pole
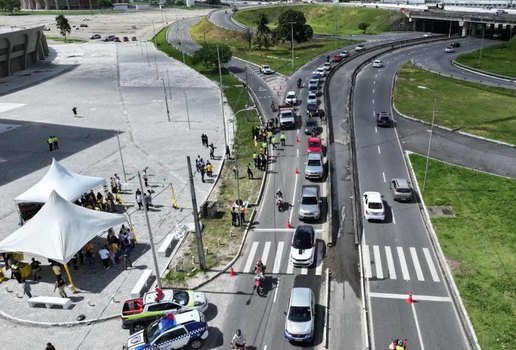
pixel 198 237
pixel 121 157
pixel 166 100
pixel 222 99
pixel 151 239
pixel 481 47
pixel 429 144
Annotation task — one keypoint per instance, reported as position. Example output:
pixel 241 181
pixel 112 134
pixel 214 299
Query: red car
pixel 313 145
pixel 336 58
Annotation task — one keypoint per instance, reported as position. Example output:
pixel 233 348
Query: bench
pixel 142 284
pixel 167 245
pixel 65 303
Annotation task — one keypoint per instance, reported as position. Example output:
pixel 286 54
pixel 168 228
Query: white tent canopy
pixel 67 183
pixel 59 230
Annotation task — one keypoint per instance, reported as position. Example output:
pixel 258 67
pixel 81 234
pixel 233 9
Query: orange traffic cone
pixel 232 272
pixel 288 224
pixel 296 171
pixel 410 300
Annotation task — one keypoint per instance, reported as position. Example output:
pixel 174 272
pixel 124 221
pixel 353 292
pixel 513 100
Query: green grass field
pixel 479 244
pixel 278 57
pixel 473 108
pixel 498 59
pixel 327 19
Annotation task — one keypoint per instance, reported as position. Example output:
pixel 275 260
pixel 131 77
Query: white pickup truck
pixel 287 117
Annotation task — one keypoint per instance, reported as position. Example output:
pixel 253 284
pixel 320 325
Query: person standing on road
pixel 228 152
pixel 283 138
pixel 250 175
pixel 61 284
pixel 35 266
pixel 55 142
pixel 212 151
pixel 145 177
pixel 50 141
pixel 139 199
pixel 273 142
pixel 104 256
pixel 50 347
pixel 74 110
pixel 27 290
pixel 127 257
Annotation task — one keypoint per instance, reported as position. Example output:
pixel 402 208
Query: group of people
pixel 238 213
pixel 204 168
pixel 102 202
pixel 53 143
pixel 144 199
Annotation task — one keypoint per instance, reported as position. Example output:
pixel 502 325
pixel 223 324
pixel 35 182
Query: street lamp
pixel 165 94
pixel 237 174
pixel 431 134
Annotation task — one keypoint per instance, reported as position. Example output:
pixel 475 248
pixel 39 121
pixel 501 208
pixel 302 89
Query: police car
pixel 171 332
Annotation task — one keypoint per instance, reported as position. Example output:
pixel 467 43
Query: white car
pixel 291 98
pixel 377 64
pixel 302 251
pixel 373 206
pixel 344 54
pixel 313 82
pixel 311 99
pixel 327 66
pixel 265 69
pixel 428 35
pixel 449 49
pixel 321 71
pixel 360 47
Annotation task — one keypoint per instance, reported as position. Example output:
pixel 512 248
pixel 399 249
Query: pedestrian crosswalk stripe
pixel 378 262
pixel 265 254
pixel 277 260
pixel 318 263
pixel 304 271
pixel 290 267
pixel 431 265
pixel 417 266
pixel 367 261
pixel 390 263
pixel 250 258
pixel 403 263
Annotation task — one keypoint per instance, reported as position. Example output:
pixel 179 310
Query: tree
pixel 104 4
pixel 263 32
pixel 207 55
pixel 63 25
pixel 363 26
pixel 10 5
pixel 293 23
pixel 249 38
pixel 213 2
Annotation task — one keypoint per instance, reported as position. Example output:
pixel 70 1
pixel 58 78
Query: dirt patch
pixel 441 211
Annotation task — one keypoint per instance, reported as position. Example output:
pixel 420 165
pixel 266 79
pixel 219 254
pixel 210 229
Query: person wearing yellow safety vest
pixel 50 141
pixel 273 142
pixel 283 138
pixel 255 159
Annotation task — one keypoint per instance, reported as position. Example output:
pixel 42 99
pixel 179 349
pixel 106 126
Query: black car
pixel 384 119
pixel 455 44
pixel 311 125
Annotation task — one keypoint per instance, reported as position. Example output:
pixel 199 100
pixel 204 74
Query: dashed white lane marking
pixel 277 260
pixel 379 151
pixel 404 296
pixel 393 218
pixel 304 271
pixel 249 262
pixel 390 263
pixel 373 100
pixel 431 265
pixel 290 267
pixel 265 254
pixel 367 262
pixel 417 266
pixel 376 130
pixel 383 175
pixel 319 264
pixel 403 263
pixel 6 106
pixel 373 91
pixel 378 262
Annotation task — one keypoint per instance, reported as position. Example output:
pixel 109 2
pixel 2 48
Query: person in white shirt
pixel 104 256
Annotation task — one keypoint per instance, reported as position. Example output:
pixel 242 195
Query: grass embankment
pixel 278 57
pixel 67 40
pixel 219 228
pixel 474 108
pixel 498 59
pixel 328 19
pixel 479 243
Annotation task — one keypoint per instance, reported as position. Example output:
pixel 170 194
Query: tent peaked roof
pixel 59 230
pixel 67 183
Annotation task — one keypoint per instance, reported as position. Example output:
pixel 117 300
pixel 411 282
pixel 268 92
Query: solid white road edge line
pixel 417 328
pixel 405 296
pixel 275 294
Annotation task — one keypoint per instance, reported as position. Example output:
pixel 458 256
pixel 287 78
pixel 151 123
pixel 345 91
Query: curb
pixel 483 73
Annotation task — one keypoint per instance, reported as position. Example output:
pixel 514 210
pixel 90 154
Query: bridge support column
pixel 465 29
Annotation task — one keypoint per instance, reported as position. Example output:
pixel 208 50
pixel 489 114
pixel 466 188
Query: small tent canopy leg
pixel 72 286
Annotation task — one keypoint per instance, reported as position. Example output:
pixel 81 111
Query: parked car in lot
pixel 291 98
pixel 303 245
pixel 428 35
pixel 360 47
pixel 95 36
pixel 117 40
pixel 84 25
pixel 310 203
pixel 384 119
pixel 137 313
pixel 449 49
pixel 401 190
pixel 266 69
pixel 313 144
pixel 377 64
pixel 109 38
pixel 171 332
pixel 125 39
pixel 314 166
pixel 373 206
pixel 300 322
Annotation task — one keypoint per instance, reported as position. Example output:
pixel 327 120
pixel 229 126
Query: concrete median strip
pixel 415 297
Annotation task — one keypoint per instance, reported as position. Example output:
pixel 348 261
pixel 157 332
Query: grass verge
pixel 219 237
pixel 474 108
pixel 65 41
pixel 328 19
pixel 278 57
pixel 497 59
pixel 479 243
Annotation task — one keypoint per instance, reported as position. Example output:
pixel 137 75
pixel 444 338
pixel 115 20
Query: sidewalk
pixel 115 87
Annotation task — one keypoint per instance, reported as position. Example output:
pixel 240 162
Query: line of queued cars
pixel 166 319
pixel 114 38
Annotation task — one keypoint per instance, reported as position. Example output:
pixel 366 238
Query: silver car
pixel 310 203
pixel 300 322
pixel 401 190
pixel 314 166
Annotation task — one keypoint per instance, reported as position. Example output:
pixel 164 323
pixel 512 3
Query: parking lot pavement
pixel 116 88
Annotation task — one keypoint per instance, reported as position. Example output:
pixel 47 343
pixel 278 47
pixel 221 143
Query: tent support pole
pixel 70 278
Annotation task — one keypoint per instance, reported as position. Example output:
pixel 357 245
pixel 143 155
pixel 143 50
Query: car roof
pixel 310 190
pixel 291 93
pixel 373 196
pixel 168 295
pixel 300 296
pixel 314 155
pixel 188 316
pixel 314 139
pixel 400 182
pixel 312 94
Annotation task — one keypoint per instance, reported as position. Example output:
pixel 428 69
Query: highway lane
pixel 398 255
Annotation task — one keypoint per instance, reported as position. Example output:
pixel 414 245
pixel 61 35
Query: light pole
pixel 431 134
pixel 481 46
pixel 222 98
pixel 165 94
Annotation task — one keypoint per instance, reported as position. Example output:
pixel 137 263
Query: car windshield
pixel 181 297
pixel 403 190
pixel 313 144
pixel 311 123
pixel 299 314
pixel 375 205
pixel 314 162
pixel 152 332
pixel 309 200
pixel 302 239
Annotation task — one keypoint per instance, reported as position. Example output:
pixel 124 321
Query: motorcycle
pixel 299 83
pixel 239 347
pixel 398 344
pixel 279 203
pixel 258 282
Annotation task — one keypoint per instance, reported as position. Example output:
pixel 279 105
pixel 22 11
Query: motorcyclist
pixel 398 344
pixel 259 268
pixel 238 341
pixel 279 194
pixel 273 106
pixel 299 82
